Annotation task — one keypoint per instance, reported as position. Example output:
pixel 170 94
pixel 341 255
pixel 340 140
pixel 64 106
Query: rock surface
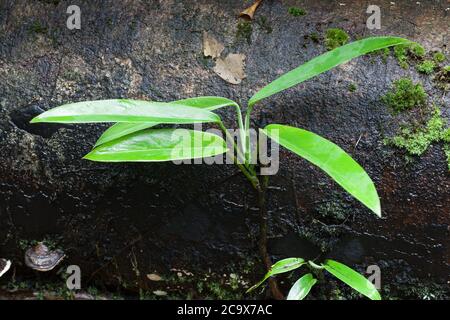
pixel 160 216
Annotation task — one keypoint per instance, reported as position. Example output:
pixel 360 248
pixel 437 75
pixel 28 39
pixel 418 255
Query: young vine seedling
pixel 135 137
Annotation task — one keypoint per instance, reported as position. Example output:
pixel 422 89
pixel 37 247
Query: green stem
pixel 315 266
pixel 241 126
pixel 247 133
pixel 248 174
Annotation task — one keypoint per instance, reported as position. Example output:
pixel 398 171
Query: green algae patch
pixel 335 38
pixel 405 95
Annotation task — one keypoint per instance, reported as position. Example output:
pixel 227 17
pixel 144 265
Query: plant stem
pixel 241 126
pixel 262 243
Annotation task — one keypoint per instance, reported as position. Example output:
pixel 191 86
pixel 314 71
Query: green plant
pixel 303 285
pixel 335 38
pixel 427 66
pixel 135 138
pixel 405 95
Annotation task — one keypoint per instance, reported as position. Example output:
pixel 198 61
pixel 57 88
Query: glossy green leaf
pixel 154 145
pixel 122 128
pixel 330 158
pixel 124 110
pixel 324 63
pixel 281 266
pixel 352 278
pixel 301 287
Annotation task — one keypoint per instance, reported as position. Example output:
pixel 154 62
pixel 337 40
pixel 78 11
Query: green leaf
pixel 122 128
pixel 153 145
pixel 330 158
pixel 281 266
pixel 352 278
pixel 324 63
pixel 301 287
pixel 124 110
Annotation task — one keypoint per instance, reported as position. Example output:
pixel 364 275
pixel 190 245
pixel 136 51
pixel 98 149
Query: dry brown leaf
pixel 231 69
pixel 250 11
pixel 154 277
pixel 211 47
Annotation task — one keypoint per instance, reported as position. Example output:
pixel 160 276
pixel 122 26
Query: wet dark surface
pixel 200 216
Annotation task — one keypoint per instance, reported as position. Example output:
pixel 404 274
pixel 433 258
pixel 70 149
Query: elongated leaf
pixel 352 278
pixel 330 158
pixel 123 110
pixel 324 63
pixel 301 287
pixel 153 145
pixel 122 128
pixel 281 266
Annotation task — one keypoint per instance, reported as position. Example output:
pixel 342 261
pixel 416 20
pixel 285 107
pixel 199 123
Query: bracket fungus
pixel 41 258
pixel 4 266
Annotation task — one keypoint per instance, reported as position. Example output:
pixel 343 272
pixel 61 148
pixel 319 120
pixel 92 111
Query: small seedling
pixel 135 138
pixel 303 285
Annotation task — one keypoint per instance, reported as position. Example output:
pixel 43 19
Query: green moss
pixel 442 78
pixel 439 57
pixel 335 38
pixel 447 154
pixel 426 67
pixel 400 53
pixel 296 11
pixel 446 135
pixel 37 27
pixel 417 141
pixel 385 52
pixel 314 37
pixel 417 50
pixel 264 24
pixel 403 53
pixel 244 31
pixel 405 95
pixel 352 87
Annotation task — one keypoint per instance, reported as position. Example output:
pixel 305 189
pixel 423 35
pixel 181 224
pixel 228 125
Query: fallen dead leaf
pixel 250 11
pixel 160 293
pixel 231 69
pixel 211 47
pixel 154 277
